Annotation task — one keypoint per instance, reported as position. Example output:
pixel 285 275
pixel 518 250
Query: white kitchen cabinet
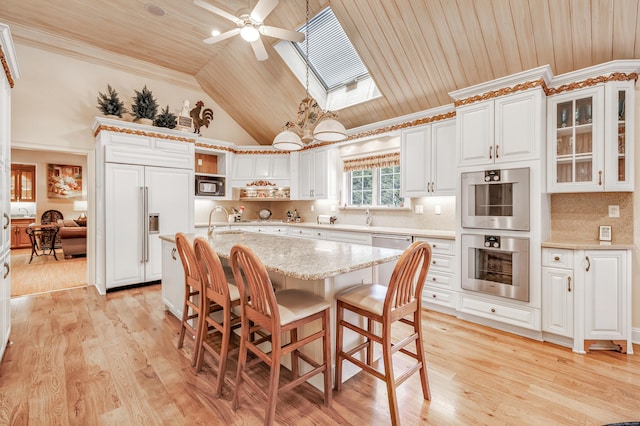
pixel 249 168
pixel 591 139
pixel 349 237
pixel 586 296
pixel 319 234
pixel 316 171
pixel 172 279
pixel 144 189
pixel 9 74
pixel 557 292
pixel 501 311
pixel 427 160
pixel 439 291
pixel 502 130
pixel 607 296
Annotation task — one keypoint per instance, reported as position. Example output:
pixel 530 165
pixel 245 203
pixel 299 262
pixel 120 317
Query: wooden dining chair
pixel 266 315
pixel 217 297
pixel 382 306
pixel 192 289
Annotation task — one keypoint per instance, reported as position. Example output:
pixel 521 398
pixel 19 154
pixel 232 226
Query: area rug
pixel 44 273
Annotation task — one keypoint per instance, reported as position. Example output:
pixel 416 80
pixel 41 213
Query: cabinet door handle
pixel 497 155
pixel 588 263
pixel 556 258
pixel 600 177
pixel 490 152
pixel 7 269
pixel 569 284
pixel 173 253
pixel 7 220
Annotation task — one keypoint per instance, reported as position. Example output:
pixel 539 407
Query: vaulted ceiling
pixel 416 50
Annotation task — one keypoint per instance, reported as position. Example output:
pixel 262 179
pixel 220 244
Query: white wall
pixel 54 102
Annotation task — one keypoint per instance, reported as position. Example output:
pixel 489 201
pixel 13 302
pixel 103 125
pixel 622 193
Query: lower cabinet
pixel 441 280
pixel 172 279
pixel 349 237
pixel 586 296
pixel 19 237
pixel 319 234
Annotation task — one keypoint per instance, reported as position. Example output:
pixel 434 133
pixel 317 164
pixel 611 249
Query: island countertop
pixel 305 259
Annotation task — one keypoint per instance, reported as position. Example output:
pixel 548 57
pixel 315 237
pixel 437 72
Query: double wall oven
pixel 495 248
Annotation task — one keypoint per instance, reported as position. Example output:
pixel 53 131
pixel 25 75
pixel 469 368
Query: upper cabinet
pixel 23 182
pixel 427 160
pixel 314 174
pixel 590 139
pixel 502 121
pixel 508 128
pixel 248 168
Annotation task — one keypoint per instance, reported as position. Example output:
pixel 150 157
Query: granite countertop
pixel 572 244
pixel 305 259
pixel 418 232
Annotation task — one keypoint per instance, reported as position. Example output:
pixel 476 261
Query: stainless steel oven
pixel 496 199
pixel 497 265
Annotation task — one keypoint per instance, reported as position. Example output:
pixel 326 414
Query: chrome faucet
pixel 369 218
pixel 215 209
pixel 26 212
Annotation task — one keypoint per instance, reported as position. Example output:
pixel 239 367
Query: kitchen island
pixel 318 266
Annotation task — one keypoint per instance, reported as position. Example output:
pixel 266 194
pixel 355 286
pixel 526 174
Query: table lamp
pixel 80 206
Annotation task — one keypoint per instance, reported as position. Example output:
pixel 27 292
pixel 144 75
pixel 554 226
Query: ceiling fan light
pixel 330 130
pixel 287 141
pixel 249 33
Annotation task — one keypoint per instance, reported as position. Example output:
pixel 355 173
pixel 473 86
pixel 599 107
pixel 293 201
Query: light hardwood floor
pixel 45 273
pixel 81 358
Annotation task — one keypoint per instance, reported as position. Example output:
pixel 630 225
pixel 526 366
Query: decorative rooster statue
pixel 199 121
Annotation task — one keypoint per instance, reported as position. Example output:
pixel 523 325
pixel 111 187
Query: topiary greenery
pixel 144 106
pixel 166 119
pixel 110 104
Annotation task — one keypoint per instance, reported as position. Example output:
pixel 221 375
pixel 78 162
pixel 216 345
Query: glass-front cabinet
pixel 590 142
pixel 23 182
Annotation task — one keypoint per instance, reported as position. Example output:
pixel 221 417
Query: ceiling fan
pixel 250 26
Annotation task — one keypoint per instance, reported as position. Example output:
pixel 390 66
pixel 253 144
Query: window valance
pixel 374 161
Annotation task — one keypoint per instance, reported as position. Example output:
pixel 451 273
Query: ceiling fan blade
pixel 222 36
pixel 259 50
pixel 263 9
pixel 217 11
pixel 295 36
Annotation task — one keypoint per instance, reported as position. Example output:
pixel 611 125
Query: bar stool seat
pixel 297 304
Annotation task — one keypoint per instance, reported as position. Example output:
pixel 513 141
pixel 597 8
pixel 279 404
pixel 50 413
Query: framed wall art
pixel 64 181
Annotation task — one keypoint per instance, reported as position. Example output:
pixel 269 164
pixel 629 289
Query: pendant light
pixel 311 123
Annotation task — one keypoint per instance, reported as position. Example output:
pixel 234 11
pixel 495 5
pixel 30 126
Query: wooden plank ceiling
pixel 416 50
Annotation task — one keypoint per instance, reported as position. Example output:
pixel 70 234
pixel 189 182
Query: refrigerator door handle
pixel 142 232
pixel 146 224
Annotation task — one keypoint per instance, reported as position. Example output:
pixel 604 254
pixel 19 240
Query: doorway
pixel 45 273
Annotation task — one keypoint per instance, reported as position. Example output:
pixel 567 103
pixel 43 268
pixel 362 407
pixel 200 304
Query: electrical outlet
pixel 438 209
pixel 313 207
pixel 419 209
pixel 614 211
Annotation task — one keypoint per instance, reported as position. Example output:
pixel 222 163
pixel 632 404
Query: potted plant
pixel 144 106
pixel 110 104
pixel 166 119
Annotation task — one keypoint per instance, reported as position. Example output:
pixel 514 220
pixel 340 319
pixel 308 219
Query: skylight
pixel 332 57
pixel 337 77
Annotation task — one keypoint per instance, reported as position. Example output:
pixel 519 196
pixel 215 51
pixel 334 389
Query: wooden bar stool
pixel 217 296
pixel 192 290
pixel 266 315
pixel 387 305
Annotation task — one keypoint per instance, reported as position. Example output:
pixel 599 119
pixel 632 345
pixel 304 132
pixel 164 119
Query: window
pixel 374 181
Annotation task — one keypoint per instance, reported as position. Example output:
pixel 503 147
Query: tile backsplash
pixel 579 216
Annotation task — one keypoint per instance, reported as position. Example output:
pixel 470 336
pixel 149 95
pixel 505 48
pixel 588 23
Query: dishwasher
pixel 398 242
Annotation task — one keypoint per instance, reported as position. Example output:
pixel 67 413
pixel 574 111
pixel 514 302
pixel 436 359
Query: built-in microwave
pixel 207 186
pixel 496 199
